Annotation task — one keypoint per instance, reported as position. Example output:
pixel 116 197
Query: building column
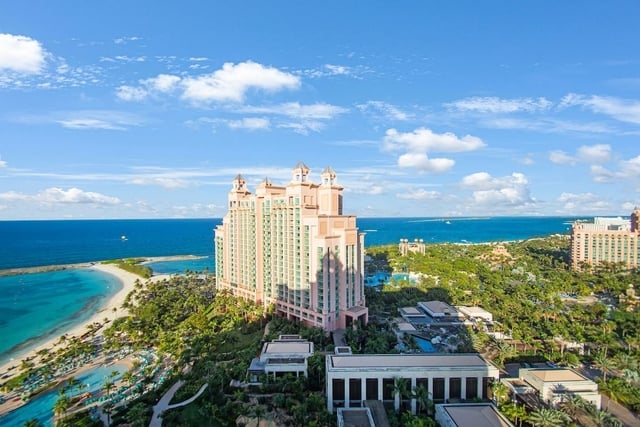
pixel 363 391
pixel 380 395
pixel 347 398
pixel 480 387
pixel 446 388
pixel 430 385
pixel 413 400
pixel 463 388
pixel 329 394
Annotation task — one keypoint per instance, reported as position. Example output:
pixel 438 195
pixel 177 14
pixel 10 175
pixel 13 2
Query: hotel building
pixel 606 240
pixel 292 247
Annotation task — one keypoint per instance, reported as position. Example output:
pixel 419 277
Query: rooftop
pixel 423 360
pixel 476 415
pixel 556 375
pixel 287 347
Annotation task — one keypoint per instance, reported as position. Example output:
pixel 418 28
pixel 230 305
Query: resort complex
pixel 606 241
pixel 294 248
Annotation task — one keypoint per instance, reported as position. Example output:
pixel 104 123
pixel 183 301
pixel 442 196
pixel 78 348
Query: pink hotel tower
pixel 292 247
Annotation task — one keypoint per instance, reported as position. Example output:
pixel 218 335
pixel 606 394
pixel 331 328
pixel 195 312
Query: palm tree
pixel 33 422
pixel 61 406
pixel 603 363
pixel 423 398
pixel 400 390
pixel 500 393
pixel 544 417
pixel 605 419
pixel 573 405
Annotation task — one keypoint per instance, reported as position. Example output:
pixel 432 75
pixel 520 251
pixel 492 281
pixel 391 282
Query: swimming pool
pixel 425 345
pixel 41 407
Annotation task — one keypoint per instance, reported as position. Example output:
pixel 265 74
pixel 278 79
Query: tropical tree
pixel 33 422
pixel 423 398
pixel 500 393
pixel 603 363
pixel 544 417
pixel 400 390
pixel 61 406
pixel 605 419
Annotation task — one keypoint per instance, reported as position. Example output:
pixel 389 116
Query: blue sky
pixel 141 109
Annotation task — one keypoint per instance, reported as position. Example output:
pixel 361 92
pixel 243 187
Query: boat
pixel 123 237
pixel 447 222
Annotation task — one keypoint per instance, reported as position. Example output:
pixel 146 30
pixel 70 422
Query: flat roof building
pixel 287 354
pixel 353 378
pixel 557 384
pixel 477 313
pixel 439 309
pixel 606 241
pixel 470 415
pixel 294 248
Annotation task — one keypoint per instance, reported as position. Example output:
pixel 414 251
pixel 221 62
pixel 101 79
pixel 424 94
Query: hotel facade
pixel 292 247
pixel 606 241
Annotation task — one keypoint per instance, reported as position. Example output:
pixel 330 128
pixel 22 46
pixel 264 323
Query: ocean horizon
pixel 36 306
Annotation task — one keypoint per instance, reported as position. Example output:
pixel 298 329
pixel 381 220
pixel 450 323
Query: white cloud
pixel 419 194
pixel 582 202
pixel 423 163
pixel 233 81
pixel 21 54
pixel 318 111
pixel 599 153
pixel 417 144
pixel 303 127
pixel 124 40
pixel 491 104
pixel 89 124
pixel 164 182
pixel 56 195
pixel 3 164
pixel 96 119
pixel 379 109
pixel 631 167
pixel 423 139
pixel 508 190
pixel 162 82
pixel 250 123
pixel 130 93
pixel 624 110
pixel 561 158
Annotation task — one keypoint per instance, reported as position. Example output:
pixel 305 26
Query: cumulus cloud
pixel 233 81
pixel 631 167
pixel 417 144
pixel 599 153
pixel 419 194
pixel 491 104
pixel 624 110
pixel 55 195
pixel 162 83
pixel 21 54
pixel 508 190
pixel 228 84
pixel 582 202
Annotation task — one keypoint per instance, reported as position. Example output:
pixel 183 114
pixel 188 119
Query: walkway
pixel 163 403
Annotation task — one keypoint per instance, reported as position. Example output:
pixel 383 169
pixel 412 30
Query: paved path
pixel 626 417
pixel 163 403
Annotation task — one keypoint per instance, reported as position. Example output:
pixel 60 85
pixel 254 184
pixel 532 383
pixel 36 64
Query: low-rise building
pixel 555 385
pixel 470 415
pixel 287 354
pixel 353 378
pixel 475 313
pixel 439 310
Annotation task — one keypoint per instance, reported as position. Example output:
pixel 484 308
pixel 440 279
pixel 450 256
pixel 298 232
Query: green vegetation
pixel 133 265
pixel 536 299
pixel 215 336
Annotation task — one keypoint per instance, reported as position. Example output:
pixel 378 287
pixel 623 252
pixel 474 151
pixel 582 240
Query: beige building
pixel 606 240
pixel 556 385
pixel 292 247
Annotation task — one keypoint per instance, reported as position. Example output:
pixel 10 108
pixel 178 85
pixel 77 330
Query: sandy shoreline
pixel 127 281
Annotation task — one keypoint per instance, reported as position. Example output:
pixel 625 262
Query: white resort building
pixel 294 248
pixel 352 379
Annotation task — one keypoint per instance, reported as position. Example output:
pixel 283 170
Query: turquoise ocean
pixel 35 307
